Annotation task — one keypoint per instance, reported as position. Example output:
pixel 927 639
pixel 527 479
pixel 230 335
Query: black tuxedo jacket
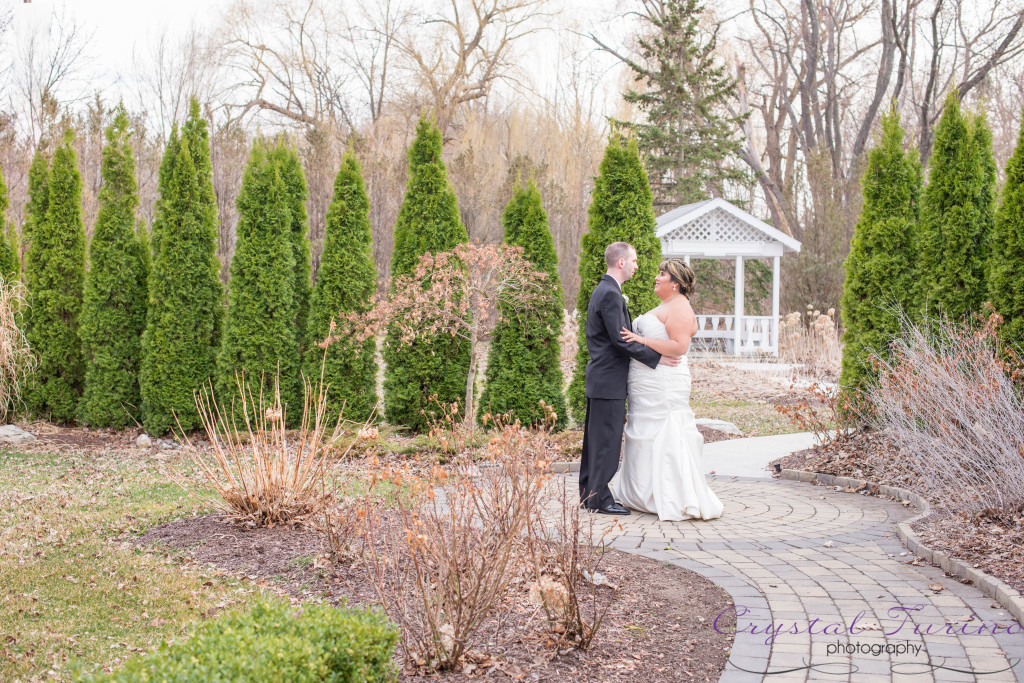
pixel 609 354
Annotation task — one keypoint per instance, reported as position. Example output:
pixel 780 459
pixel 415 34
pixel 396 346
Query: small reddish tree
pixel 457 293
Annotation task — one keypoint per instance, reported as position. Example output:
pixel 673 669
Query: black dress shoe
pixel 613 509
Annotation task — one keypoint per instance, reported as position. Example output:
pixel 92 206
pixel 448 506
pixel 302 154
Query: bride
pixel 661 470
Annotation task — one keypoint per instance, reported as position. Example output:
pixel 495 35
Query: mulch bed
pixel 994 546
pixel 990 545
pixel 659 627
pixel 863 455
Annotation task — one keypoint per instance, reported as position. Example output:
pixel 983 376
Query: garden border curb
pixel 998 590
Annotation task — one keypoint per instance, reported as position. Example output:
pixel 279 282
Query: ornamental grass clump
pixel 263 474
pixel 813 342
pixel 949 397
pixel 16 359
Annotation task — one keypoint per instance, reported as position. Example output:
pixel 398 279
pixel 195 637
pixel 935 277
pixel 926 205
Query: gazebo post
pixel 738 306
pixel 776 262
pixel 716 229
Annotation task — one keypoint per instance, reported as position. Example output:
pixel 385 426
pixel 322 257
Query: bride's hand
pixel 629 336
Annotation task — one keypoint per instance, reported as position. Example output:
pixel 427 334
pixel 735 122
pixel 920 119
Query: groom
pixel 606 379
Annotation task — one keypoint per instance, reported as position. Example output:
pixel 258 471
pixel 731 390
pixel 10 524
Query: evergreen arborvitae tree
pixel 524 365
pixel 295 184
pixel 1006 258
pixel 197 135
pixel 38 195
pixel 346 282
pixel 987 193
pixel 880 266
pixel 259 330
pixel 183 318
pixel 55 271
pixel 114 309
pixel 689 135
pixel 428 221
pixel 621 211
pixel 10 264
pixel 955 213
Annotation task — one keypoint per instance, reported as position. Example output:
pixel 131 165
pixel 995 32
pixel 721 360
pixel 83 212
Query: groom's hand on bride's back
pixel 671 361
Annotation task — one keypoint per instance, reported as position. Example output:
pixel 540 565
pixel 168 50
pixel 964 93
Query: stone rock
pixel 719 425
pixel 144 441
pixel 13 434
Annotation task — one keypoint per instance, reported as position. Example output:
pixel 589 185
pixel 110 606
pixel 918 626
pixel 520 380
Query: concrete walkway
pixel 750 457
pixel 827 573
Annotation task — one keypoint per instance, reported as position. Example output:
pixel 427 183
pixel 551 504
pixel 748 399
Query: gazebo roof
pixel 714 228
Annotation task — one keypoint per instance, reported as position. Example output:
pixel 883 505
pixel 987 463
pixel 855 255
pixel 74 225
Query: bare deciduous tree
pixel 816 87
pixel 460 53
pixel 287 58
pixel 170 70
pixel 49 63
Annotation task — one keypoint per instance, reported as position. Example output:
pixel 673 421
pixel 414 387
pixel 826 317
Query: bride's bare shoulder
pixel 680 314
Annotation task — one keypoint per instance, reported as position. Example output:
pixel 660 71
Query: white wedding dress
pixel 661 471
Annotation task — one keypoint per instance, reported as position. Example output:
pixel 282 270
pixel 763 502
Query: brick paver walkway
pixel 815 564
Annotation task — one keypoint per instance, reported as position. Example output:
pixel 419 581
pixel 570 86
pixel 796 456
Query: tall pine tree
pixel 1006 258
pixel 688 137
pixel 184 317
pixel 428 221
pixel 621 211
pixel 524 365
pixel 880 266
pixel 10 264
pixel 955 214
pixel 114 309
pixel 345 283
pixel 259 332
pixel 55 271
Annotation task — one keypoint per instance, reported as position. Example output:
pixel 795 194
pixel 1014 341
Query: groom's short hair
pixel 615 251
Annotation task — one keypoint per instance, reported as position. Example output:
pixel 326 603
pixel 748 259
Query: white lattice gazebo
pixel 715 229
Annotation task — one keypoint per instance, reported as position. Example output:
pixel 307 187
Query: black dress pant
pixel 602 442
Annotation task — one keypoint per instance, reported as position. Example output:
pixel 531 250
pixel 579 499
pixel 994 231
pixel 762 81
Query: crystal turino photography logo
pixel 901 639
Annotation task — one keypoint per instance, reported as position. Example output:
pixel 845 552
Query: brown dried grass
pixel 263 476
pixel 813 342
pixel 16 359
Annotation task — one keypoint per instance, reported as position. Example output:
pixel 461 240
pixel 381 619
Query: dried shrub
pixel 263 476
pixel 567 586
pixel 831 414
pixel 948 397
pixel 812 342
pixel 448 563
pixel 16 358
pixel 451 436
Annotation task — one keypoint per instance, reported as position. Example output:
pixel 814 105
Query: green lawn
pixel 72 595
pixel 752 418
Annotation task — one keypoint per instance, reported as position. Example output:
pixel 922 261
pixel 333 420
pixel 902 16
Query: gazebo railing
pixel 759 333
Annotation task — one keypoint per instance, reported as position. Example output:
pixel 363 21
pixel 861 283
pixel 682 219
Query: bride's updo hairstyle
pixel 680 273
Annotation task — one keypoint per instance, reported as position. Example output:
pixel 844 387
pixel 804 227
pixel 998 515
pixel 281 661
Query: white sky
pixel 120 26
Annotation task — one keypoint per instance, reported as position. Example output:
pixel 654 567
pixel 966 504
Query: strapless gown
pixel 661 471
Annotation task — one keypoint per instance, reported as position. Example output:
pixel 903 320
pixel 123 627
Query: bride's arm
pixel 678 324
